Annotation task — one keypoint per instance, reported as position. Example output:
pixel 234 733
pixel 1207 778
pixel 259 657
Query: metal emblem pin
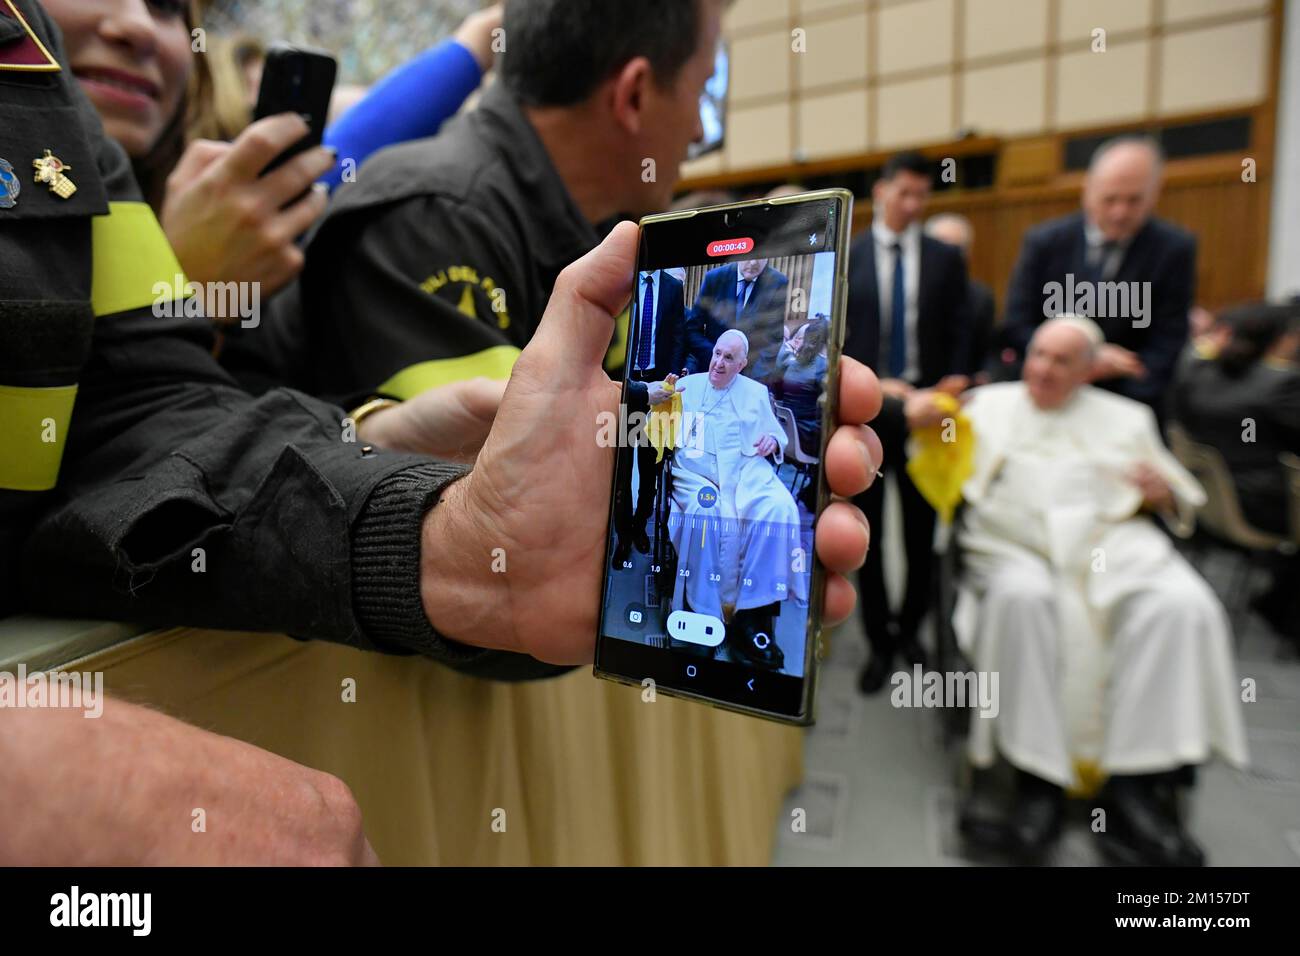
pixel 50 170
pixel 10 185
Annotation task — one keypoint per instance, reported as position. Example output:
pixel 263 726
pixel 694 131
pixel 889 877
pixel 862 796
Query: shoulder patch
pixel 459 283
pixel 20 47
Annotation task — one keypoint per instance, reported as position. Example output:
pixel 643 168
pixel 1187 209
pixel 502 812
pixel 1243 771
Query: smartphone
pixel 296 80
pixel 712 588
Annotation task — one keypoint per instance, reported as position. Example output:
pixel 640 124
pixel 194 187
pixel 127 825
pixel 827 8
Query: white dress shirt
pixel 910 238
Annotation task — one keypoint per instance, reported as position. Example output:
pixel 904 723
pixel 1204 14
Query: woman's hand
pixel 229 223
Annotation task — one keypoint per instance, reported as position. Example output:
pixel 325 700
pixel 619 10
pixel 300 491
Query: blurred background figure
pixel 1115 238
pixel 1244 402
pixel 907 321
pixel 981 307
pixel 803 367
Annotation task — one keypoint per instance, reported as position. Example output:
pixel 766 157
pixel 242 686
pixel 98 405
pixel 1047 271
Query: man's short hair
pixel 909 162
pixel 559 51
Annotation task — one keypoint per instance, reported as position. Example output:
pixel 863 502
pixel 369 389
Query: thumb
pixel 578 324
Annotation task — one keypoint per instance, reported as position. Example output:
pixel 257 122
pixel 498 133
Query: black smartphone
pixel 712 589
pixel 296 80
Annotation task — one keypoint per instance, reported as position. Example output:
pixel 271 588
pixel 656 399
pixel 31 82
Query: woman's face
pixel 132 58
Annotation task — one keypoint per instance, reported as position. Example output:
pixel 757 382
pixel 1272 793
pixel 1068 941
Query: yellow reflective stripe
pixel 617 352
pixel 494 363
pixel 34 422
pixel 134 262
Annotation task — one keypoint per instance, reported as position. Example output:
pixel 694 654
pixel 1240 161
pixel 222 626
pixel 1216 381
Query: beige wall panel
pixel 914 112
pixel 839 6
pixel 1078 19
pixel 704 166
pixel 1216 67
pixel 915 35
pixel 833 125
pixel 1001 26
pixel 1006 100
pixel 836 51
pixel 759 136
pixel 1178 11
pixel 760 66
pixel 1099 88
pixel 743 14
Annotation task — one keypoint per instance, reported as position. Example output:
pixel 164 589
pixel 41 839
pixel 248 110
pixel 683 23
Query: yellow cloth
pixel 943 457
pixel 662 425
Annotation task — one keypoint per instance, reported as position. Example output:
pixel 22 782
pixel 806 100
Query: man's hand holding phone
pixel 539 491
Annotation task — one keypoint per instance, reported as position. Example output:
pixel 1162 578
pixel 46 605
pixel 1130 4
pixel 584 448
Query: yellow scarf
pixel 663 423
pixel 943 458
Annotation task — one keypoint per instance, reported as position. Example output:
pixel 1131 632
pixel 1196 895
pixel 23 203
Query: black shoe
pixel 981 819
pixel 641 540
pixel 875 674
pixel 1036 816
pixel 1142 828
pixel 622 551
pixel 752 636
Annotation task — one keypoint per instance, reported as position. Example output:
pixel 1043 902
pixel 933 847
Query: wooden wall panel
pixel 1228 217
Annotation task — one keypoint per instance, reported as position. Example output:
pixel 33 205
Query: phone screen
pixel 733 333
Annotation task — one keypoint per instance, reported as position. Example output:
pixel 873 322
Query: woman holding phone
pixel 135 60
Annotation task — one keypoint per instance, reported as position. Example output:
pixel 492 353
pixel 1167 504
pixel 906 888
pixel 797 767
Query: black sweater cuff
pixel 386 564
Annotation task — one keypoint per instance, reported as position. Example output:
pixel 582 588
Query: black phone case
pixel 297 80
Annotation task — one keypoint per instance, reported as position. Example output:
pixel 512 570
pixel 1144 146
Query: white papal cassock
pixel 1109 646
pixel 735 526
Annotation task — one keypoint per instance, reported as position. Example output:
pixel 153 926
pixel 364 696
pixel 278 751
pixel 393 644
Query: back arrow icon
pixel 750 683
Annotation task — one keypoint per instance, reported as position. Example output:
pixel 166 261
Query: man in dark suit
pixel 913 340
pixel 656 350
pixel 749 296
pixel 1133 274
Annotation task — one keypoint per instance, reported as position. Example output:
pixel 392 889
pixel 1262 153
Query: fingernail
pixel 866 459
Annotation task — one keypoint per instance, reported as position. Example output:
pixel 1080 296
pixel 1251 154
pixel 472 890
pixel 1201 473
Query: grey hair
pixel 1130 139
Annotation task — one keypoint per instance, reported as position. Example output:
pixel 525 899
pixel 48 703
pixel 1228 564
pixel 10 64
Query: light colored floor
pixel 879 787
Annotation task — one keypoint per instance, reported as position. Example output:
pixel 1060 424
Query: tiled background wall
pixel 882 74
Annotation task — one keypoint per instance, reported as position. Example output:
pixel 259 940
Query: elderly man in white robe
pixel 734 524
pixel 1111 650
